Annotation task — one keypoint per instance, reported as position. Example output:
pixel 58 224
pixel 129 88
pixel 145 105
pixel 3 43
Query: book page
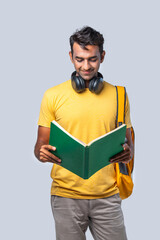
pixel 116 129
pixel 76 139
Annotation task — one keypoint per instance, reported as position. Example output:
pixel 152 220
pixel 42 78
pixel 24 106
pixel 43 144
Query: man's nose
pixel 86 65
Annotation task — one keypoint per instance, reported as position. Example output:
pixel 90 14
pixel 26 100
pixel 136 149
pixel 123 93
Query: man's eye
pixel 79 60
pixel 93 60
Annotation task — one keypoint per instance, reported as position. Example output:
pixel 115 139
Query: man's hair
pixel 87 36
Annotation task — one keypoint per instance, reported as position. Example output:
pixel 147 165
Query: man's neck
pixel 87 83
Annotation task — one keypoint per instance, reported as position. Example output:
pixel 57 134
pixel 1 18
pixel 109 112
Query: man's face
pixel 86 62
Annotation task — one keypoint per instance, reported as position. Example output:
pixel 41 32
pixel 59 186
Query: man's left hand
pixel 125 156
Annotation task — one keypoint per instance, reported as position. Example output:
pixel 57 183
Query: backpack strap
pixel 121 103
pixel 120 117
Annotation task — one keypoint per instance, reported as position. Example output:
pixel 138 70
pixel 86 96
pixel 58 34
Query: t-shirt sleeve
pixel 46 115
pixel 127 113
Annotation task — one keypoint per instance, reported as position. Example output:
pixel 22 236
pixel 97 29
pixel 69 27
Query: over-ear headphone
pixel 95 84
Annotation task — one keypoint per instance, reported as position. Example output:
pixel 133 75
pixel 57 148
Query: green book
pixel 85 159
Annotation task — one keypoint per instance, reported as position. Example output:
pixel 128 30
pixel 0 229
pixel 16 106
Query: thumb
pixel 125 146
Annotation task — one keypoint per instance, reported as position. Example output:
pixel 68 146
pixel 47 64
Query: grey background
pixel 34 56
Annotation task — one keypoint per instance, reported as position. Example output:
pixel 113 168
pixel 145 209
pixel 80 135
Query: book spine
pixel 86 163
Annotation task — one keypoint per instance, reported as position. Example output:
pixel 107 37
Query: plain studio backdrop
pixel 34 46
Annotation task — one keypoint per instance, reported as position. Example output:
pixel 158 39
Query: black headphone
pixel 95 84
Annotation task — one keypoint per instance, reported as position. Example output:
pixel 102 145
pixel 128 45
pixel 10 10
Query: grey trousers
pixel 103 216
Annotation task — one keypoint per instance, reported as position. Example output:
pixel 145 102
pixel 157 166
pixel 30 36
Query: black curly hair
pixel 87 36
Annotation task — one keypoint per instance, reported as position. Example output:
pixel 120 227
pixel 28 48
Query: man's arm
pixel 128 151
pixel 42 147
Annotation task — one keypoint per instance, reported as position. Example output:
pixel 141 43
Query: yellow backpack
pixel 123 171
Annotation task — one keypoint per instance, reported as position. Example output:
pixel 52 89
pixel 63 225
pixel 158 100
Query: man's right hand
pixel 42 148
pixel 46 156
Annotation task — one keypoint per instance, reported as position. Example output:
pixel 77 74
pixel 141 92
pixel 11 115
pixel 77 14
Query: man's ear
pixel 102 56
pixel 70 54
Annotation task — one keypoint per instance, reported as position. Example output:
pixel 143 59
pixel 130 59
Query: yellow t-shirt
pixel 86 116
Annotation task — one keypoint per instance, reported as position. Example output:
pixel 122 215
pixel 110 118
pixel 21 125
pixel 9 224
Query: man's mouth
pixel 86 72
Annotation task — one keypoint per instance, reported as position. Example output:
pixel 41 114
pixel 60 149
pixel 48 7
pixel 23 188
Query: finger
pixel 52 159
pixel 45 159
pixel 125 146
pixel 49 147
pixel 52 156
pixel 124 160
pixel 121 155
pixel 55 162
pixel 121 158
pixel 49 154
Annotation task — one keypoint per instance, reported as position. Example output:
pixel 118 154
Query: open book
pixel 85 159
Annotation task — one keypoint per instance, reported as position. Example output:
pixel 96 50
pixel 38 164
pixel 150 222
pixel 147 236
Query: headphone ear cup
pixel 81 83
pixel 92 84
pixel 78 83
pixel 96 85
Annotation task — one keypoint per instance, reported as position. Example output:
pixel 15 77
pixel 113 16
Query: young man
pixel 85 106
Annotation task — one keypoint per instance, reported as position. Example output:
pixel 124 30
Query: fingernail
pixel 54 148
pixel 59 160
